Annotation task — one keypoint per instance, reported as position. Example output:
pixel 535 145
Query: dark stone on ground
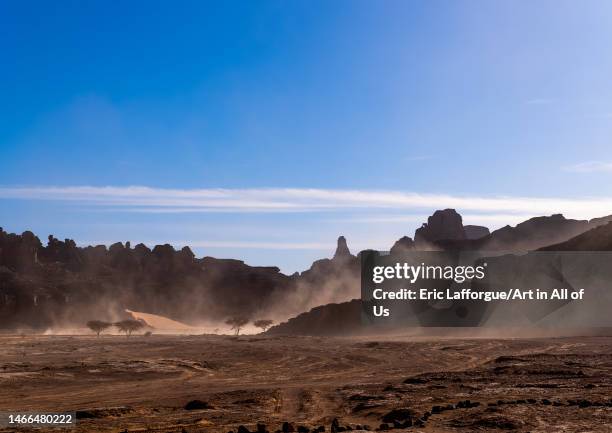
pixel 197 404
pixel 398 415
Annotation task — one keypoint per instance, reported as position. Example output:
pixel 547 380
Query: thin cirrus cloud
pixel 147 199
pixel 590 167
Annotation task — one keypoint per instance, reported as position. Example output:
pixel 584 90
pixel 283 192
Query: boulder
pixel 197 404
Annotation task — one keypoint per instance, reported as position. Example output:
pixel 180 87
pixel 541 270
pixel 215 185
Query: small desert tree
pixel 236 323
pixel 264 324
pixel 98 326
pixel 130 325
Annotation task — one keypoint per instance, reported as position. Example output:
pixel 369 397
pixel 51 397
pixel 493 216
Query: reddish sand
pixel 143 383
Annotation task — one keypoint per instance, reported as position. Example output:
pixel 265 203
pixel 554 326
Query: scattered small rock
pixel 398 415
pixel 466 404
pixel 415 381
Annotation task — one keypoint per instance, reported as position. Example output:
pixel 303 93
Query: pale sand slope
pixel 163 324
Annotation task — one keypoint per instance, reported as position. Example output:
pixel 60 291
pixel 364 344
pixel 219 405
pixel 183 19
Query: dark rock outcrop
pixel 535 233
pixel 196 405
pixel 442 225
pixel 475 232
pixel 331 319
pixel 596 222
pixel 330 280
pixel 62 284
pixel 597 239
pixel 342 250
pixel 402 414
pixel 402 245
pixel 532 234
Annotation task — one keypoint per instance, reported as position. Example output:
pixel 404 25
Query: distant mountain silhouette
pixel 445 230
pixel 476 232
pixel 345 318
pixel 62 284
pixel 532 234
pixel 596 239
pixel 529 235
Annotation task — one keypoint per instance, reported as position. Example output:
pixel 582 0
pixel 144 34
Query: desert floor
pixel 143 383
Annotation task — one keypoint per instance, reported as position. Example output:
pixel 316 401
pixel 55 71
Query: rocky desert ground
pixel 259 383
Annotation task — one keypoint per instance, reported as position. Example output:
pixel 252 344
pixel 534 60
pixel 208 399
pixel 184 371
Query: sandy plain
pixel 143 384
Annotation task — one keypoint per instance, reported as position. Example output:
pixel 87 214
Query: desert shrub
pixel 98 326
pixel 130 325
pixel 264 324
pixel 236 323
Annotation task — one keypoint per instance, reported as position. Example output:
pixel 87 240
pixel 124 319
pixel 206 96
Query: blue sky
pixel 263 130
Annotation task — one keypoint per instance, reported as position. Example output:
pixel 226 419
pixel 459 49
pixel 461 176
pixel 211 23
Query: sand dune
pixel 163 324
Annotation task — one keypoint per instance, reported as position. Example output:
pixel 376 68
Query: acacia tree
pixel 264 324
pixel 98 326
pixel 236 323
pixel 128 326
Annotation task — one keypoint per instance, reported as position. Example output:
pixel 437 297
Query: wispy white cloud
pixel 590 167
pixel 145 199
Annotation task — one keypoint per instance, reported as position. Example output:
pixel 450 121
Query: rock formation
pixel 63 284
pixel 331 319
pixel 402 245
pixel 475 232
pixel 532 234
pixel 529 235
pixel 342 250
pixel 442 225
pixel 596 239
